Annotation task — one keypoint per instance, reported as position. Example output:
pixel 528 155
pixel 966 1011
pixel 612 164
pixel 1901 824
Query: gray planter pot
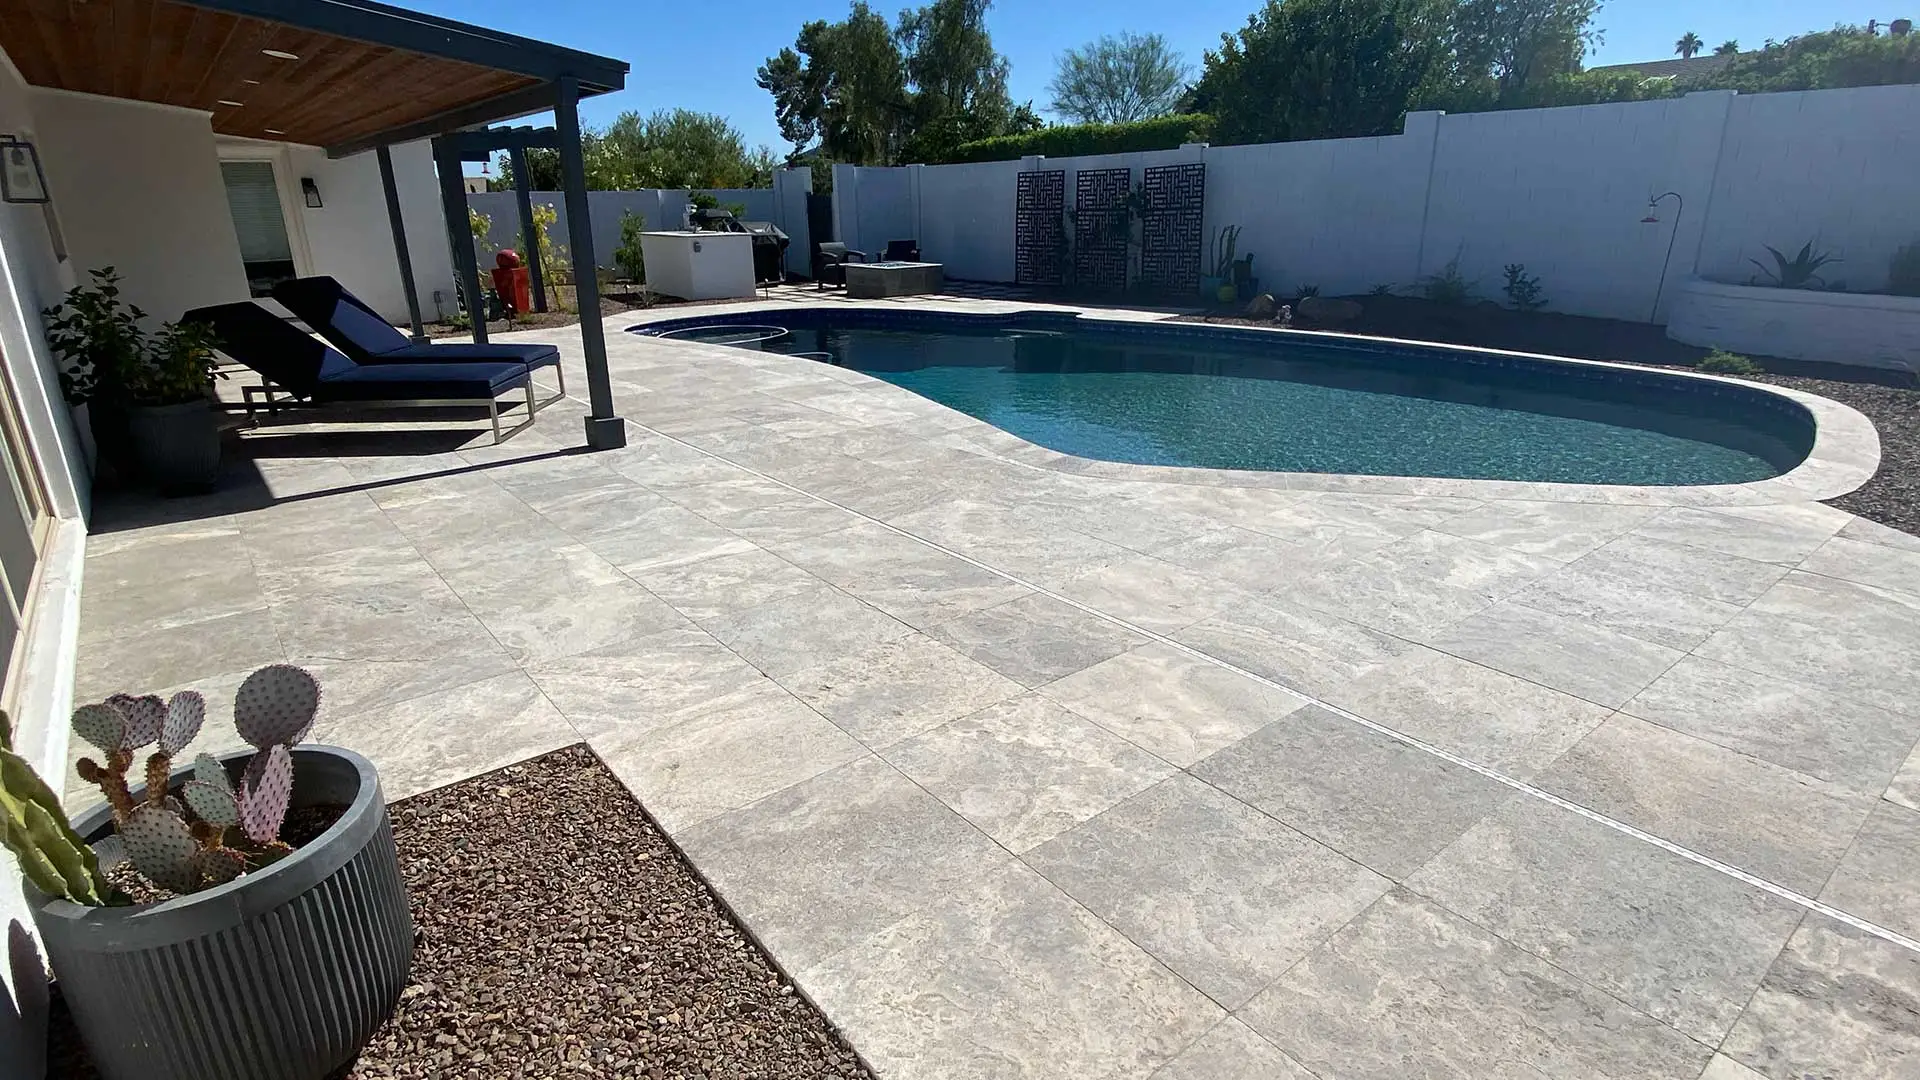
pixel 281 974
pixel 178 446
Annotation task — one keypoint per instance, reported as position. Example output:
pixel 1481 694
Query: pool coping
pixel 1845 452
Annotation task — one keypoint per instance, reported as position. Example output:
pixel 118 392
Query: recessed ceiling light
pixel 251 82
pixel 280 54
pixel 231 104
pixel 275 131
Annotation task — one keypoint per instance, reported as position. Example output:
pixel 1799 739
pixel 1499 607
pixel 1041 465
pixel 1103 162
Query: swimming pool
pixel 1235 398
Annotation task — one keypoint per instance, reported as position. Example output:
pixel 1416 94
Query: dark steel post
pixel 453 203
pixel 605 431
pixel 523 198
pixel 399 227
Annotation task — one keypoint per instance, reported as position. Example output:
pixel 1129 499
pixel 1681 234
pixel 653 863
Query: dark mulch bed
pixel 560 935
pixel 1888 398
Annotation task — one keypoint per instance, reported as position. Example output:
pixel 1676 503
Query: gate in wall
pixel 1101 229
pixel 1175 198
pixel 1039 228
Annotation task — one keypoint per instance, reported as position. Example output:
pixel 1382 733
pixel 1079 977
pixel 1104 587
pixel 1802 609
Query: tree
pixel 1688 44
pixel 1315 69
pixel 676 148
pixel 1729 47
pixel 1117 80
pixel 862 92
pixel 1843 56
pixel 1502 46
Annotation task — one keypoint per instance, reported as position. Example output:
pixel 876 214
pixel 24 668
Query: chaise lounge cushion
pixel 357 330
pixel 307 368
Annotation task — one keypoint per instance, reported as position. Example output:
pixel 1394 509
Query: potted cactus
pixel 191 940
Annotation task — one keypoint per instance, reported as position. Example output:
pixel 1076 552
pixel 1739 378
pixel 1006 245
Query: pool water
pixel 1156 396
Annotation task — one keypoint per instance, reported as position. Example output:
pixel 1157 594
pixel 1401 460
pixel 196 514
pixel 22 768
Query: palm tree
pixel 1688 45
pixel 1726 48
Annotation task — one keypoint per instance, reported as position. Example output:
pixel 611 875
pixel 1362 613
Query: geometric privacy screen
pixel 1039 229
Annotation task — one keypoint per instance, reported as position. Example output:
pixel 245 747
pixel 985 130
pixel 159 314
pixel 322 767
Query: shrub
pixel 1903 273
pixel 1449 286
pixel 1523 289
pixel 1074 140
pixel 1305 290
pixel 629 257
pixel 1798 272
pixel 1384 288
pixel 1725 363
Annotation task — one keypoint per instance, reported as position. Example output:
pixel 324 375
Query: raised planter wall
pixel 1799 324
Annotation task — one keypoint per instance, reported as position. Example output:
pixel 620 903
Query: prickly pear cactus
pixel 162 848
pixel 211 803
pixel 103 726
pixel 264 797
pixel 145 717
pixel 276 706
pixel 219 865
pixel 208 770
pixel 186 710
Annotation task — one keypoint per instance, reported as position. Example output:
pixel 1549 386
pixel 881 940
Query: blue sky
pixel 702 56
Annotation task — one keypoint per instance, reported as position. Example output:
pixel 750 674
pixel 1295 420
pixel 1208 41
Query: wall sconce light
pixel 21 180
pixel 311 192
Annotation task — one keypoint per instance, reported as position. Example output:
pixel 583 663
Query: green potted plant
pixel 97 344
pixel 170 416
pixel 242 917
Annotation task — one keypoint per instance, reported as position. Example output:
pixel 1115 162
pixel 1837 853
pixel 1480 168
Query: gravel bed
pixel 560 935
pixel 1891 497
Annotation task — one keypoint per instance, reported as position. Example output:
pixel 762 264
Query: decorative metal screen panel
pixel 1039 228
pixel 1171 233
pixel 1101 228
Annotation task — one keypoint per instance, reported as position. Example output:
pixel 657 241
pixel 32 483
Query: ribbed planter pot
pixel 281 974
pixel 178 445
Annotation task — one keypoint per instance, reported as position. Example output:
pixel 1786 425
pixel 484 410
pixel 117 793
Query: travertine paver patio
pixel 1024 771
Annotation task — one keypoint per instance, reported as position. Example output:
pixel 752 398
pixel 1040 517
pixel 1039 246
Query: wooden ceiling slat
pixel 338 91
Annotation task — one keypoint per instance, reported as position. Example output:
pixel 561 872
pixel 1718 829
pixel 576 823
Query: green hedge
pixel 1073 140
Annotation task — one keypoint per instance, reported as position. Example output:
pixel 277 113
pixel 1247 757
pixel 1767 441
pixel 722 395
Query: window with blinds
pixel 253 197
pixel 24 522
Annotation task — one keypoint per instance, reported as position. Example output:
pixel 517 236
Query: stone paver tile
pixel 567 601
pixel 302 528
pixel 1725 1068
pixel 1377 801
pixel 1232 1051
pixel 168 581
pixel 901 688
pixel 136 659
pixel 736 494
pixel 1873 532
pixel 1294 645
pixel 475 525
pixel 1679 941
pixel 601 503
pixel 1785 826
pixel 1655 613
pixel 1176 705
pixel 912 582
pixel 1559 531
pixel 823 864
pixel 793 633
pixel 1661 564
pixel 1879 880
pixel 1905 788
pixel 666 537
pixel 450 735
pixel 1411 989
pixel 1777 539
pixel 1852 662
pixel 1838 1003
pixel 1486 716
pixel 1254 561
pixel 1419 585
pixel 794 518
pixel 734 750
pixel 1867 563
pixel 369 604
pixel 1568 654
pixel 1152 593
pixel 366 684
pixel 1007 977
pixel 1026 770
pixel 1224 895
pixel 1799 727
pixel 1036 639
pixel 726 584
pixel 643 683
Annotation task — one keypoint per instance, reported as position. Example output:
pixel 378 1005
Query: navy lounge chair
pixel 303 370
pixel 357 330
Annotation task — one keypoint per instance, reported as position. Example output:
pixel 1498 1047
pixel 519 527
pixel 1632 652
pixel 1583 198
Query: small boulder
pixel 1260 307
pixel 1327 312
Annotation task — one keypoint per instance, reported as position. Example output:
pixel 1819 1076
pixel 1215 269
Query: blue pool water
pixel 1210 397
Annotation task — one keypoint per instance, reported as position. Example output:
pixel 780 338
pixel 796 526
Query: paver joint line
pixel 1781 891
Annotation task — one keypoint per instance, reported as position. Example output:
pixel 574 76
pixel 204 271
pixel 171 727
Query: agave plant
pixel 1799 272
pixel 207 834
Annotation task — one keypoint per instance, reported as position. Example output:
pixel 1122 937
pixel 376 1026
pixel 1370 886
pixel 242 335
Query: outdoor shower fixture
pixel 1653 218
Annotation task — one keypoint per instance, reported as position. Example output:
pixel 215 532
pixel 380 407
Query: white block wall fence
pixel 1560 190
